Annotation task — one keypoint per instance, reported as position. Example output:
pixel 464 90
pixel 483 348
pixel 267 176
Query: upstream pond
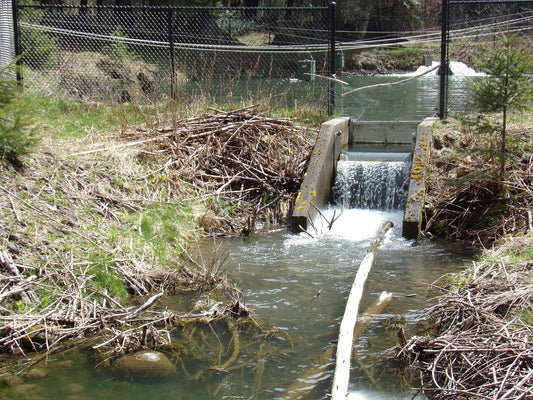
pixel 296 287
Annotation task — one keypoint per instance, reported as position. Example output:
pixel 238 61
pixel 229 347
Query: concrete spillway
pixel 339 134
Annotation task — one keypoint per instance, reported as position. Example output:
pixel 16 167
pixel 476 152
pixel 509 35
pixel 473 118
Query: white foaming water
pixel 352 225
pixel 358 225
pixel 458 69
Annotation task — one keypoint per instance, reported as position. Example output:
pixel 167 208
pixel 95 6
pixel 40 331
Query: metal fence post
pixel 16 42
pixel 170 18
pixel 331 83
pixel 444 68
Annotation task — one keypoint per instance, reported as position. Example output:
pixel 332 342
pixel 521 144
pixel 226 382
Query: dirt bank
pixel 93 239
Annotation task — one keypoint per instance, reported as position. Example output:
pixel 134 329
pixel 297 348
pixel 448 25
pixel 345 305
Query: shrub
pixel 509 85
pixel 18 135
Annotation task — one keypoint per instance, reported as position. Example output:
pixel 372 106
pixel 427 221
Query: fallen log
pixel 320 368
pixel 341 377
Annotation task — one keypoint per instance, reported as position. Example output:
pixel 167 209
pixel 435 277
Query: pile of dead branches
pixel 465 199
pixel 483 349
pixel 250 166
pixel 76 313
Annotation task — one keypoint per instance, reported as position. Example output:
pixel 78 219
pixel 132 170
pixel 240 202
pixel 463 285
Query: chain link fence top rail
pixel 143 53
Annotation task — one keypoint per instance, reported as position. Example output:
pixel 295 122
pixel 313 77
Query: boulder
pixel 145 364
pixel 73 388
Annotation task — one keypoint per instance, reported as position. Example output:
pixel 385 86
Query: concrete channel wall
pixel 334 136
pixel 416 196
pixel 314 192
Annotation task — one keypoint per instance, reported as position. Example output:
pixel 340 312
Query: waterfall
pixel 371 184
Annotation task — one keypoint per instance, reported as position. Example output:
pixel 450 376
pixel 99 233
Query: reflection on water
pixel 413 100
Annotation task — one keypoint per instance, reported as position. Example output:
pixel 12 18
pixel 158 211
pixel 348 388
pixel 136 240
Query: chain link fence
pixel 147 53
pixel 474 28
pixel 7 46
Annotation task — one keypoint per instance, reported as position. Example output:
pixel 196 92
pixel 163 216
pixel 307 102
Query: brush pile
pixel 484 347
pixel 65 275
pixel 78 312
pixel 466 201
pixel 248 165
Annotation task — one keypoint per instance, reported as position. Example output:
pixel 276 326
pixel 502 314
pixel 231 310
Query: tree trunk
pixel 341 376
pixel 502 146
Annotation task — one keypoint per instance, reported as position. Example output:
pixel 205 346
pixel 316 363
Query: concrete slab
pixel 383 132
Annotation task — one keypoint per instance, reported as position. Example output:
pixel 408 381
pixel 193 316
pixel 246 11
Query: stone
pixel 67 364
pixel 12 380
pixel 36 373
pixel 145 364
pixel 73 388
pixel 27 388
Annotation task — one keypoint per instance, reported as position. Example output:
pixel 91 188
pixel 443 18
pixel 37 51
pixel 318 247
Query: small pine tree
pixel 509 85
pixel 18 134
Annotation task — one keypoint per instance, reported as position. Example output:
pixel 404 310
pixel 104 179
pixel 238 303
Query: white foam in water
pixel 458 69
pixel 355 224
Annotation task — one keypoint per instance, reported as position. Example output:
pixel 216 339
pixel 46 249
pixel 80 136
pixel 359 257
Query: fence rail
pixel 149 53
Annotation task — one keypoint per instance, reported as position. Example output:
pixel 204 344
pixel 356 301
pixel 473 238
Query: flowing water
pixel 299 282
pixel 296 286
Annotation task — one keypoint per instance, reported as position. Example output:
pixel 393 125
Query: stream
pixel 296 286
pixel 299 284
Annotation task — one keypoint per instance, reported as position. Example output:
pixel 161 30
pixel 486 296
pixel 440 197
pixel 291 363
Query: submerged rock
pixel 73 388
pixel 67 364
pixel 27 388
pixel 36 373
pixel 146 364
pixel 12 380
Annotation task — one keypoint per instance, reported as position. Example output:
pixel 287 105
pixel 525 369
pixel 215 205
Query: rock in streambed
pixel 142 365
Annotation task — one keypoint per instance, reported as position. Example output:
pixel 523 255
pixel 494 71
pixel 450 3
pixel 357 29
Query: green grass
pixel 67 119
pixel 163 230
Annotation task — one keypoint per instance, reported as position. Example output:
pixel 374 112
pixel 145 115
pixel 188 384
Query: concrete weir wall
pixel 314 192
pixel 416 196
pixel 334 136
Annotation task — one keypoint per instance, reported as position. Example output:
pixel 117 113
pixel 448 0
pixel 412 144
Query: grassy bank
pixel 99 224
